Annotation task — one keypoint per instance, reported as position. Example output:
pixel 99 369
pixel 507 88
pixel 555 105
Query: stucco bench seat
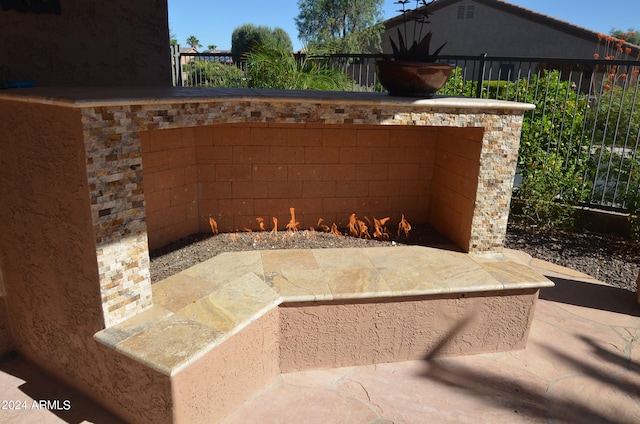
pixel 239 319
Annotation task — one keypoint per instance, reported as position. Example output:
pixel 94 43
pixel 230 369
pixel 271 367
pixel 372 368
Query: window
pixel 466 12
pixel 470 12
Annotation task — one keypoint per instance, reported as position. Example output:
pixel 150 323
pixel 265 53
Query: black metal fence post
pixel 176 65
pixel 481 69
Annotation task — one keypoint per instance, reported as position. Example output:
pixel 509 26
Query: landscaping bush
pixel 271 66
pixel 616 130
pixel 553 158
pixel 209 73
pixel 632 200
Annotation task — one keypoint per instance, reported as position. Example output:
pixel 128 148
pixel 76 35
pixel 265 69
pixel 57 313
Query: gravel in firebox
pixel 608 258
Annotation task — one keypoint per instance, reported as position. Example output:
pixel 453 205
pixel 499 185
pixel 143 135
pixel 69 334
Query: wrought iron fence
pixel 585 129
pixel 584 132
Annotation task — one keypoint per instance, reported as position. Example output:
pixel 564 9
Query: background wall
pixel 99 43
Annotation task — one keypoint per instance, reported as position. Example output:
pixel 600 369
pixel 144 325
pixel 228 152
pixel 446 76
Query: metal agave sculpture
pixel 419 51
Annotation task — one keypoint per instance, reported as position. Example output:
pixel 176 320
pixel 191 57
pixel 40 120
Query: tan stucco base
pixel 204 392
pixel 330 335
pixel 219 382
pixel 315 335
pixel 6 341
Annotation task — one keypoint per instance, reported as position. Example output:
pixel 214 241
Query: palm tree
pixel 193 41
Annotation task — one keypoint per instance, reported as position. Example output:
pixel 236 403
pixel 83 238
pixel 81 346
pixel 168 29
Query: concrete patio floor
pixel 581 365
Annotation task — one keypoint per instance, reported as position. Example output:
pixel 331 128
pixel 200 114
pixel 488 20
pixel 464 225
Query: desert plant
pixel 419 51
pixel 271 66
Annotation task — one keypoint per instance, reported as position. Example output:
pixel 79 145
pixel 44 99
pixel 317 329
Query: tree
pixel 353 26
pixel 211 47
pixel 173 40
pixel 193 41
pixel 245 37
pixel 630 36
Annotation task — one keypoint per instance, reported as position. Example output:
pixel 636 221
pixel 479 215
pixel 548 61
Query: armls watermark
pixel 48 404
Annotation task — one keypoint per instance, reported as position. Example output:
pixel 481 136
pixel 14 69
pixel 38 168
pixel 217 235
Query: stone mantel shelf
pixel 102 96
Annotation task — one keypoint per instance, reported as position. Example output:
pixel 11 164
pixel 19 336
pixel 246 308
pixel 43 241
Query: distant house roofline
pixel 521 12
pixel 216 51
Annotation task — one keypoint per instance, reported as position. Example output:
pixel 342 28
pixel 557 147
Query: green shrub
pixel 616 128
pixel 271 66
pixel 632 199
pixel 553 158
pixel 456 85
pixel 205 73
pixel 551 190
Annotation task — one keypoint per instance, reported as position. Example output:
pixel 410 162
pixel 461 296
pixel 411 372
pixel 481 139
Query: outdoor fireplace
pixel 332 160
pixel 106 173
pixel 239 174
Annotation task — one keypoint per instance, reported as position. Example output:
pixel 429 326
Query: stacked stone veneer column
pixel 114 175
pixel 114 169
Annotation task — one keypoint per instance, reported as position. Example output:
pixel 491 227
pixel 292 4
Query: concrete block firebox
pixel 92 178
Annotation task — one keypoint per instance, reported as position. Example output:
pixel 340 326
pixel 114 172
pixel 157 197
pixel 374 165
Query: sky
pixel 213 21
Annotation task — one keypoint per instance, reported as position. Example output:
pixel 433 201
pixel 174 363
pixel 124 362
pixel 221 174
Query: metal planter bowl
pixel 415 79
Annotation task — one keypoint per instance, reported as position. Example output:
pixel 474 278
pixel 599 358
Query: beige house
pixel 499 28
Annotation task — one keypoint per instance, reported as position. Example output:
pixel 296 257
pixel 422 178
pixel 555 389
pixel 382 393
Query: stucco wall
pixel 98 43
pixel 47 251
pixel 216 384
pixel 47 241
pixel 6 340
pixel 330 335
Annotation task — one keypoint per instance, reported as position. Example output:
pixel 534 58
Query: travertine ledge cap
pixel 108 96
